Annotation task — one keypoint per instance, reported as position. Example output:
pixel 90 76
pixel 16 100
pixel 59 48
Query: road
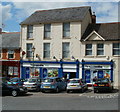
pixel 62 101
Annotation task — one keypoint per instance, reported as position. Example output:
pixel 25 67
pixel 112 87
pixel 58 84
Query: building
pixel 10 54
pixel 58 42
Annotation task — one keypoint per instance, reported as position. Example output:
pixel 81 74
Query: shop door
pixel 87 76
pixel 100 74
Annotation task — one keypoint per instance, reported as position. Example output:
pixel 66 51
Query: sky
pixel 15 11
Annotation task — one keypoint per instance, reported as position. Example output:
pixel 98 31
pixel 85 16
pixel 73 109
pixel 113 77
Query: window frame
pixel 86 49
pixel 27 54
pixel 45 50
pixel 29 32
pixel 115 49
pixel 0 53
pixel 13 54
pixel 66 30
pixel 100 49
pixel 47 31
pixel 64 50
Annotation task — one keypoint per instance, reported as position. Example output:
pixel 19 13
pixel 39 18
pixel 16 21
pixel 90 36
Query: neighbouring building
pixel 69 43
pixel 10 54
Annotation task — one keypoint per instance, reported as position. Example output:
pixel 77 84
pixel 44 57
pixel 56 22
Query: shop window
pixel 29 50
pixel 116 48
pixel 66 30
pixel 12 71
pixel 29 31
pixel 100 49
pixel 47 30
pixel 46 50
pixel 88 49
pixel 10 54
pixel 66 50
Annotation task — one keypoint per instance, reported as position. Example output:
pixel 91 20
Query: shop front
pixel 93 70
pixel 44 69
pixel 10 69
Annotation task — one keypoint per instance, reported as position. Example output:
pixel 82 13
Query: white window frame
pixel 30 50
pixel 9 53
pixel 100 49
pixel 66 30
pixel 30 32
pixel 115 49
pixel 64 51
pixel 45 50
pixel 88 49
pixel 47 30
pixel 0 53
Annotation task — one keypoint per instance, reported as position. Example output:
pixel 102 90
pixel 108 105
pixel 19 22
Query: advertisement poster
pixel 52 72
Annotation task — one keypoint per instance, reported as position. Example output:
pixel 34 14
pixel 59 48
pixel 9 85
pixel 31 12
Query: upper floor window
pixel 100 49
pixel 88 49
pixel 47 30
pixel 66 50
pixel 116 48
pixel 30 31
pixel 66 30
pixel 29 50
pixel 10 54
pixel 46 50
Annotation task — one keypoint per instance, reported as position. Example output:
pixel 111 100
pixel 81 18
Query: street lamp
pixel 33 51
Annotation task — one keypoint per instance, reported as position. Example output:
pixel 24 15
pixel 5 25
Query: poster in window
pixel 52 72
pixel 10 70
pixel 15 70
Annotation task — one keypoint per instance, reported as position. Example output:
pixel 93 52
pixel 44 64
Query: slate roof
pixel 109 31
pixel 10 40
pixel 58 15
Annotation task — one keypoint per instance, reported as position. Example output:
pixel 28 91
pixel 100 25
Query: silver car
pixel 33 83
pixel 76 84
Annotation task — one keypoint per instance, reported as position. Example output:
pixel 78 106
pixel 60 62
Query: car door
pixel 5 88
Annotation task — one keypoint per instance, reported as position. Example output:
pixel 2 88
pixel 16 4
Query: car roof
pixel 75 79
pixel 51 77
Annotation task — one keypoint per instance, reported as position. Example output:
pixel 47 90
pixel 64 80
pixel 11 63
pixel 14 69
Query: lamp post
pixel 33 51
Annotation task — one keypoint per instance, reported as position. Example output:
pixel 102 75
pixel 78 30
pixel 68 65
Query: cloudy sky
pixel 15 11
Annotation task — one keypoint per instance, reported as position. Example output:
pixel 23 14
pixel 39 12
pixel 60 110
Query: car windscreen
pixel 74 81
pixel 14 80
pixel 48 80
pixel 32 80
pixel 103 80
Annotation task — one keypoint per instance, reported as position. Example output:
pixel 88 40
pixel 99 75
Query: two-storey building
pixel 67 43
pixel 10 54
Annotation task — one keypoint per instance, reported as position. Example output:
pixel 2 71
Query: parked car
pixel 53 84
pixel 76 84
pixel 12 89
pixel 103 84
pixel 33 83
pixel 16 81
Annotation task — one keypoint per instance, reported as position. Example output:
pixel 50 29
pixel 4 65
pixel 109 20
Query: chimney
pixel 94 18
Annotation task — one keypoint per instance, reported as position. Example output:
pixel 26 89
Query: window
pixel 116 48
pixel 88 49
pixel 30 31
pixel 46 50
pixel 66 30
pixel 100 49
pixel 10 54
pixel 29 50
pixel 47 30
pixel 65 50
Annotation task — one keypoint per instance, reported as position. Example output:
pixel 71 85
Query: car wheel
pixel 68 91
pixel 38 89
pixel 57 90
pixel 82 90
pixel 14 93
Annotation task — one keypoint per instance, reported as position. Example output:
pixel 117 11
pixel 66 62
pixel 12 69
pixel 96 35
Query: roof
pixel 10 40
pixel 58 15
pixel 109 31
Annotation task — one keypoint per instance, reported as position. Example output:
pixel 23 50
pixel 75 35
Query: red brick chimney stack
pixel 94 18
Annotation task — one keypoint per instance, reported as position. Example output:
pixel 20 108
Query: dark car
pixel 12 89
pixel 53 84
pixel 102 85
pixel 16 81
